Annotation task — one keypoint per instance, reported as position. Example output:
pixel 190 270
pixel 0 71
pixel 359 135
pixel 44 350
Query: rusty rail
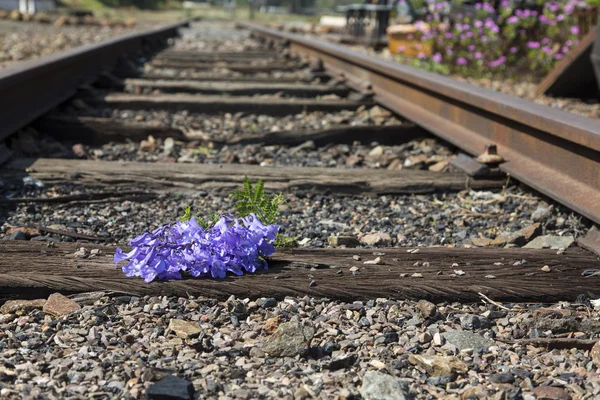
pixel 32 88
pixel 554 152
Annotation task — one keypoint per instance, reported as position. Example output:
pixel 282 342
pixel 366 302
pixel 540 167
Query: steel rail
pixel 30 89
pixel 555 152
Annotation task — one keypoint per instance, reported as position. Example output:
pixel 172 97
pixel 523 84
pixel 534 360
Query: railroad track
pixel 289 75
pixel 122 150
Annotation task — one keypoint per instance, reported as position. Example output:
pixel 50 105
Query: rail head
pixel 553 151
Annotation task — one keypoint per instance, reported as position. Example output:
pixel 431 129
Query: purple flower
pixel 401 48
pixel 498 62
pixel 461 61
pixel 547 50
pixel 478 55
pixel 575 30
pixel 533 45
pixel 513 20
pixel 546 21
pixel 437 57
pixel 229 246
pixel 512 50
pixel 421 55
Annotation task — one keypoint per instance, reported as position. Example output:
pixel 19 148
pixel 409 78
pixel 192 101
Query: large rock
pixel 520 237
pixel 550 242
pixel 185 329
pixel 380 386
pixel 59 305
pixel 348 241
pixel 551 393
pixel 290 339
pixel 438 365
pixel 377 238
pixel 467 340
pixel 21 306
pixel 171 388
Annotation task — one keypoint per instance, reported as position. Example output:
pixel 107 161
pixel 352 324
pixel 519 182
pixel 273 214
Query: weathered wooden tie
pixel 222 104
pixel 189 178
pixel 241 67
pixel 34 270
pixel 238 88
pixel 98 131
pixel 282 77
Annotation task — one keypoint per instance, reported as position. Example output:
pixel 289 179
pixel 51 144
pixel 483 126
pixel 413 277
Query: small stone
pixel 169 146
pixel 354 269
pixel 301 394
pixel 377 364
pixel 425 309
pixel 438 365
pixel 356 257
pixel 264 302
pixel 21 306
pixel 341 362
pixel 256 352
pixel 17 235
pixel 59 305
pixel 148 145
pixel 379 386
pixel 551 393
pixel 379 112
pixel 290 339
pixel 550 242
pixel 595 354
pixel 376 261
pixel 440 166
pixel 481 242
pixel 541 213
pixel 378 238
pixel 184 329
pixel 425 337
pixel 348 241
pixel 438 340
pixel 376 151
pixel 30 232
pixel 473 322
pixel 79 150
pixel 466 340
pixel 519 238
pixel 271 325
pixel 171 388
pixel 546 268
pixel 417 275
pixel 501 378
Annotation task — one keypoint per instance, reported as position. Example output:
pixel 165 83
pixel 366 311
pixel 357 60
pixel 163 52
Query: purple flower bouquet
pixel 234 245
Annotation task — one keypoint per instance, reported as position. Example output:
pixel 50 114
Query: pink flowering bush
pixel 510 41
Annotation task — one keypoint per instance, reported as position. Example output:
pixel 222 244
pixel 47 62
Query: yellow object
pixel 404 39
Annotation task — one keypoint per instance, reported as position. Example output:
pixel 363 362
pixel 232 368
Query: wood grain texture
pixel 221 104
pixel 99 131
pixel 237 88
pixel 189 178
pixel 33 270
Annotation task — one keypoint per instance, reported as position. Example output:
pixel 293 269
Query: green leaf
pixel 187 214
